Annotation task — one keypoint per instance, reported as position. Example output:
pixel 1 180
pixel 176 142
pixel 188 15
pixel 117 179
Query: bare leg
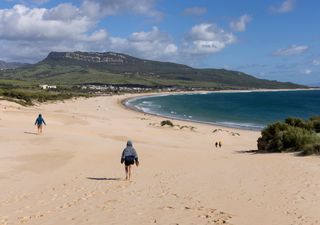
pixel 129 171
pixel 39 129
pixel 126 169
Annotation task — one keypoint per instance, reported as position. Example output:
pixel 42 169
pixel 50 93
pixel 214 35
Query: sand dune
pixel 72 173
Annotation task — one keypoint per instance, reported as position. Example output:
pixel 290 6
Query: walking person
pixel 220 144
pixel 129 157
pixel 39 122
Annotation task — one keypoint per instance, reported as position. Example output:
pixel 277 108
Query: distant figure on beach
pixel 216 144
pixel 220 144
pixel 129 157
pixel 39 122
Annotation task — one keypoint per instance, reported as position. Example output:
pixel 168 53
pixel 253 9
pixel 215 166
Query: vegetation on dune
pixel 166 122
pixel 28 97
pixel 292 135
pixel 26 93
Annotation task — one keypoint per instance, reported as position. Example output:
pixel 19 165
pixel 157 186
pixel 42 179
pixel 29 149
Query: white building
pixel 45 86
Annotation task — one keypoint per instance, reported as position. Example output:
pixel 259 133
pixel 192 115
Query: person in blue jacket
pixel 129 157
pixel 39 122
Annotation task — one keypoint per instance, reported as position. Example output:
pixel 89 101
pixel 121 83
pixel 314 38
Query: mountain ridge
pixel 11 65
pixel 74 68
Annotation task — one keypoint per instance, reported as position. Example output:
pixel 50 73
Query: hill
pixel 10 65
pixel 73 68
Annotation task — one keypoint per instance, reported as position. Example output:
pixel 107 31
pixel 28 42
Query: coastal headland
pixel 71 174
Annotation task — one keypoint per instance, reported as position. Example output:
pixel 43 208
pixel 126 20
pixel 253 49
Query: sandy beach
pixel 71 174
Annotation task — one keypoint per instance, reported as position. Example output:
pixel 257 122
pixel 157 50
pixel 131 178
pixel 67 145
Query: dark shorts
pixel 129 160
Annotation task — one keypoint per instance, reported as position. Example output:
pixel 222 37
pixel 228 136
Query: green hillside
pixel 74 68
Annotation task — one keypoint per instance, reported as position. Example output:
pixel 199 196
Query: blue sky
pixel 271 39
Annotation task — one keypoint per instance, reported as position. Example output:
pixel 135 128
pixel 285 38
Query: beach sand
pixel 71 174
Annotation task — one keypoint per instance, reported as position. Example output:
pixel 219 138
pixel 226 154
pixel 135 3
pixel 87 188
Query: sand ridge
pixel 72 173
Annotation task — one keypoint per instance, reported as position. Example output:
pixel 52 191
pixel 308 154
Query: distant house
pixel 45 86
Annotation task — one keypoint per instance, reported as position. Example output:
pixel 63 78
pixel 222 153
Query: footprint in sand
pixel 4 221
pixel 167 208
pixel 25 219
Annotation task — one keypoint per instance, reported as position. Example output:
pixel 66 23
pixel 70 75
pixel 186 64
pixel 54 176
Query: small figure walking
pixel 220 144
pixel 129 157
pixel 216 144
pixel 39 122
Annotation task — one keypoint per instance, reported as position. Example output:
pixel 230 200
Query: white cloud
pixel 153 44
pixel 30 33
pixel 32 51
pixel 102 8
pixel 284 7
pixel 307 71
pixel 291 50
pixel 240 24
pixel 23 23
pixel 316 62
pixel 65 11
pixel 207 38
pixel 227 67
pixel 195 11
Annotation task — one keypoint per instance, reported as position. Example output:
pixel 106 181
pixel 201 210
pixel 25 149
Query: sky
pixel 269 39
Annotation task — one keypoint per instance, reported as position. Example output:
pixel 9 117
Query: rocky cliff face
pixel 93 57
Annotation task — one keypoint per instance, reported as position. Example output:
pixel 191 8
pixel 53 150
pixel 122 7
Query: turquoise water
pixel 251 110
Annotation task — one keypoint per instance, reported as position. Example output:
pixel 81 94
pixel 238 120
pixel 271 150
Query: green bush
pixel 316 125
pixel 296 122
pixel 311 149
pixel 18 94
pixel 271 139
pixel 293 135
pixel 295 138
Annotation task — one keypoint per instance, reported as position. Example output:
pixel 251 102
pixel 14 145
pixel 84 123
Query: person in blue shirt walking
pixel 129 157
pixel 39 122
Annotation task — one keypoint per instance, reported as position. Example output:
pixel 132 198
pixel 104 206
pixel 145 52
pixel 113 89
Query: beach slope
pixel 71 174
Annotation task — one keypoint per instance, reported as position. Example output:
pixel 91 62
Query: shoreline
pixel 125 103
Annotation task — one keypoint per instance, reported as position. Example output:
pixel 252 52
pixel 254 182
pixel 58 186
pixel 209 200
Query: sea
pixel 251 110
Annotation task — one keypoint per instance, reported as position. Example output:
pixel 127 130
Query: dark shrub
pixel 166 122
pixel 316 125
pixel 295 122
pixel 292 135
pixel 315 118
pixel 271 139
pixel 311 149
